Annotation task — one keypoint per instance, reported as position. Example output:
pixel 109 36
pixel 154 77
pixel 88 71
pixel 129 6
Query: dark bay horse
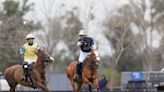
pixel 14 74
pixel 89 71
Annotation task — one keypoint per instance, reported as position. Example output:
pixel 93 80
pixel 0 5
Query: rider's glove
pixel 21 51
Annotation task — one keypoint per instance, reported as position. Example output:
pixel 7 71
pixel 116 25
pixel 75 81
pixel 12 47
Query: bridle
pixel 44 59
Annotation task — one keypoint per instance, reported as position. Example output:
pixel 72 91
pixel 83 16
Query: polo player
pixel 86 45
pixel 29 51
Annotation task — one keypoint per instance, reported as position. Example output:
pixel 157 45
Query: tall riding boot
pixel 78 71
pixel 79 66
pixel 25 67
pixel 25 76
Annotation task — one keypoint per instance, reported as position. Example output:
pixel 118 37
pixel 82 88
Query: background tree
pixel 158 20
pixel 121 38
pixel 59 35
pixel 13 30
pixel 131 32
pixel 146 27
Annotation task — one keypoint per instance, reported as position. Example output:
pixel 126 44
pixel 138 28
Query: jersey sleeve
pixel 93 44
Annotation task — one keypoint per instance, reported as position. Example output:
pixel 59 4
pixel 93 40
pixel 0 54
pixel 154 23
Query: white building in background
pixel 4 85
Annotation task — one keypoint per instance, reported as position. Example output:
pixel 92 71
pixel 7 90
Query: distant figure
pixel 102 83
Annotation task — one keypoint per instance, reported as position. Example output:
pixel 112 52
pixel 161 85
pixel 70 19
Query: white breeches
pixel 29 61
pixel 82 56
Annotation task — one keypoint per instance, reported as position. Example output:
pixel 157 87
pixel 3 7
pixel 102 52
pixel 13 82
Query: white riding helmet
pixel 82 32
pixel 30 36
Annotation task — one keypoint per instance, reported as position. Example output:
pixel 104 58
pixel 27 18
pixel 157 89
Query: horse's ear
pixel 38 49
pixel 44 48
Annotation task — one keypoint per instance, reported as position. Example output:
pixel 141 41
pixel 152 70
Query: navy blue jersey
pixel 102 83
pixel 87 42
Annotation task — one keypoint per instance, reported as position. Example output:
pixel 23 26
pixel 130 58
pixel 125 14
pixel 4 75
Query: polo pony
pixel 14 74
pixel 88 74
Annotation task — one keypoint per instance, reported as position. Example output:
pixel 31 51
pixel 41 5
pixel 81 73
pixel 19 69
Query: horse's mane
pixel 90 60
pixel 42 57
pixel 91 56
pixel 41 52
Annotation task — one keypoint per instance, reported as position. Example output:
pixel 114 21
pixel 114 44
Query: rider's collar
pixel 30 43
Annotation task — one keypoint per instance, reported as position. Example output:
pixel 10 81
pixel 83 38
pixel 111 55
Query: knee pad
pixel 25 65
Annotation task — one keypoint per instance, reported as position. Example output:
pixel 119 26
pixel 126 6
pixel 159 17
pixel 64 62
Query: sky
pixel 100 7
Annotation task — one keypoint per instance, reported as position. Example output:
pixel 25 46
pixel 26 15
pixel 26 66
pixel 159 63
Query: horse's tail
pixel 1 73
pixel 67 72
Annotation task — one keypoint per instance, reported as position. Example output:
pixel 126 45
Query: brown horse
pixel 89 71
pixel 14 74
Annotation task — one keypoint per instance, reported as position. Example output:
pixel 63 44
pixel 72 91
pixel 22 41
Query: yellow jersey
pixel 30 52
